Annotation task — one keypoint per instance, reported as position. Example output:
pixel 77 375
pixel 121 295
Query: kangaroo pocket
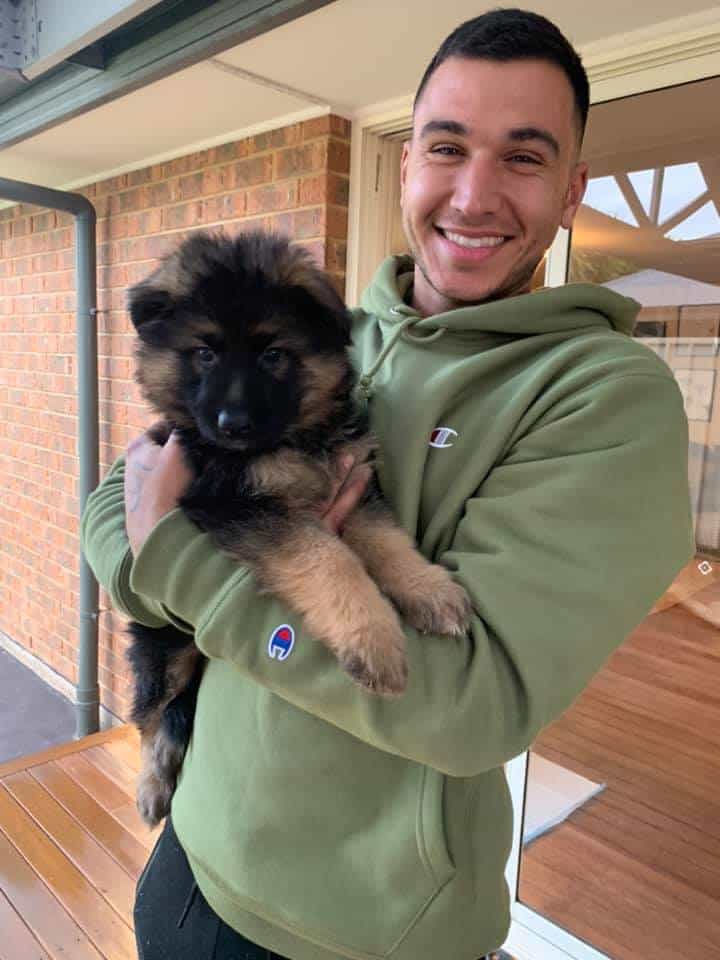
pixel 345 852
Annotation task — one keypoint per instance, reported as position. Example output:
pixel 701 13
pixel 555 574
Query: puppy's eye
pixel 272 359
pixel 205 356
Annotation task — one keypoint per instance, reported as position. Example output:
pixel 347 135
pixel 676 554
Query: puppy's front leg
pixel 424 592
pixel 317 575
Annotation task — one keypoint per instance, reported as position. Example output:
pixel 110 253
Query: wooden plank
pixel 130 818
pixel 578 909
pixel 670 753
pixel 61 937
pixel 665 851
pixel 114 769
pixel 18 942
pixel 106 791
pixel 632 891
pixel 80 847
pixel 126 751
pixel 624 725
pixel 88 909
pixel 63 750
pixel 112 835
pixel 686 809
pixel 661 676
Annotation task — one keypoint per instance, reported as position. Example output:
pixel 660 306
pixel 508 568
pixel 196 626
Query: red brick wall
pixel 293 180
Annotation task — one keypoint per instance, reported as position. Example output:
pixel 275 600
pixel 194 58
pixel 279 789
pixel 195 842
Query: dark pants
pixel 172 918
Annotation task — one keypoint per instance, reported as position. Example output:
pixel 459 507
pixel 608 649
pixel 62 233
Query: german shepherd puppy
pixel 243 351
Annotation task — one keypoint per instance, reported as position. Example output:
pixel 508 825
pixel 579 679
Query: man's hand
pixel 155 480
pixel 347 492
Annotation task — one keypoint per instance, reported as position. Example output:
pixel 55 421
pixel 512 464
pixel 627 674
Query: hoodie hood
pixel 574 306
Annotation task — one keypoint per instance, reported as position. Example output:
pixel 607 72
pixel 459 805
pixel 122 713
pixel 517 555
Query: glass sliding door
pixel 619 846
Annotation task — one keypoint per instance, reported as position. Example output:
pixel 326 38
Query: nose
pixel 478 188
pixel 233 422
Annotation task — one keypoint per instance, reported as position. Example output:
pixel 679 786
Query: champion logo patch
pixel 281 642
pixel 442 437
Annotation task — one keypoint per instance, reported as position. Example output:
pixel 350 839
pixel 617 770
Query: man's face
pixel 490 174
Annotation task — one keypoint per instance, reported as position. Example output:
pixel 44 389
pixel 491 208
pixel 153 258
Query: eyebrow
pixel 522 134
pixel 518 135
pixel 444 126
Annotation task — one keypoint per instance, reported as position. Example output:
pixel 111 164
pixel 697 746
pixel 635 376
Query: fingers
pixel 349 497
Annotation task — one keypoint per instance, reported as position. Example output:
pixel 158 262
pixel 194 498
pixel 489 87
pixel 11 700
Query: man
pixel 530 446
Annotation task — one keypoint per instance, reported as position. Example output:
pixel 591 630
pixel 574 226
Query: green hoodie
pixel 537 451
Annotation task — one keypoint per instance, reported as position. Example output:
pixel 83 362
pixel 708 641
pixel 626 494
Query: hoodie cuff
pixel 179 567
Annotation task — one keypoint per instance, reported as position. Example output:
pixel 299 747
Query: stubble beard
pixel 517 283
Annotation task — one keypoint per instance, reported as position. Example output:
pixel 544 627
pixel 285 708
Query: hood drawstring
pixel 364 386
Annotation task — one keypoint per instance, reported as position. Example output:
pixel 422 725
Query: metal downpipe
pixel 87 693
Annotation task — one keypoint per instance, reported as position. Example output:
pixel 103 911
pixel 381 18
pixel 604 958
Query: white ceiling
pixel 346 57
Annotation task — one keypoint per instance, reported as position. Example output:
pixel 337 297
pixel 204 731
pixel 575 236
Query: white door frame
pixel 664 55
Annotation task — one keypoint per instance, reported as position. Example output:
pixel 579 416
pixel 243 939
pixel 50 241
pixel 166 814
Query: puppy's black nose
pixel 233 423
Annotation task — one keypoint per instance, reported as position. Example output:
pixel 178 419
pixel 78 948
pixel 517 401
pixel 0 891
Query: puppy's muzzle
pixel 233 424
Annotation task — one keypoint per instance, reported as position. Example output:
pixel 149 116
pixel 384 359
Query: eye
pixel 206 357
pixel 524 158
pixel 272 358
pixel 445 150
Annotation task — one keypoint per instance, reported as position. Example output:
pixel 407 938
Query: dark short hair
pixel 510 34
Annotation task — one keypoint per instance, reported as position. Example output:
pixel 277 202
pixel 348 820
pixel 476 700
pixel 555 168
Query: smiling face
pixel 490 174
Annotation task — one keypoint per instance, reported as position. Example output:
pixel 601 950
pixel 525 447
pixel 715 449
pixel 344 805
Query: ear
pixel 403 168
pixel 151 309
pixel 575 193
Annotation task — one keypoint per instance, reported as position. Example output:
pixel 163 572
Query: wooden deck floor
pixel 636 871
pixel 71 849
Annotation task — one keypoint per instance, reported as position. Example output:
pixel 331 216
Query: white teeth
pixel 474 241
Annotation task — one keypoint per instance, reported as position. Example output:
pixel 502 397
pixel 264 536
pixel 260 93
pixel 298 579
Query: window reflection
pixel 621 840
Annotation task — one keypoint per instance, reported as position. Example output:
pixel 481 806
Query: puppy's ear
pixel 151 309
pixel 298 269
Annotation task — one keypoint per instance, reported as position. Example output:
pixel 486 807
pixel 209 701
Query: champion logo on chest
pixel 443 437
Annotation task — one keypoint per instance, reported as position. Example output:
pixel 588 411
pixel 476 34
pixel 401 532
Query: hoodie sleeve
pixel 563 550
pixel 106 547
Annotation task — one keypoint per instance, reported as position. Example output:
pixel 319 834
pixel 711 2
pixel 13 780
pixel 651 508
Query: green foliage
pixel 591 266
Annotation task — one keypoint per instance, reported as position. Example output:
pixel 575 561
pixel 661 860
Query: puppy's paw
pixel 441 607
pixel 378 663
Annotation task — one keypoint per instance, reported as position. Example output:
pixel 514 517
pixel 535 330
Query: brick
pixel 337 222
pixel 142 224
pixel 303 159
pixel 217 179
pixel 159 194
pixel 248 173
pixel 328 124
pixel 190 186
pixel 313 189
pixel 126 201
pixel 272 139
pixel 223 208
pixel 136 178
pixel 183 215
pixel 338 156
pixel 43 222
pixel 336 256
pixel 275 196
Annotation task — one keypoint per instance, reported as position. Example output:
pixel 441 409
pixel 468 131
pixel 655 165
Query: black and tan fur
pixel 243 351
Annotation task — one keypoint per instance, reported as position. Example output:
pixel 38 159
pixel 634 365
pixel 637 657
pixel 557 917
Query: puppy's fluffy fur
pixel 243 351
